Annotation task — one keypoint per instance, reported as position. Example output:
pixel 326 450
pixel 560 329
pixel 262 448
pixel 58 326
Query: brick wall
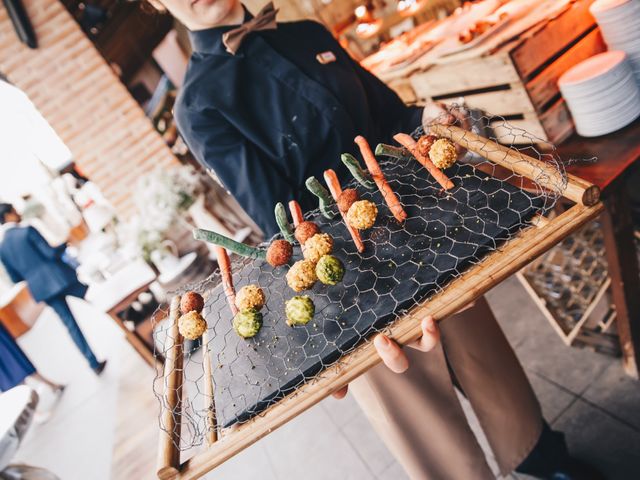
pixel 112 141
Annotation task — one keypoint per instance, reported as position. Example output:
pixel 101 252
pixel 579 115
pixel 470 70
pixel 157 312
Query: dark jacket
pixel 269 117
pixel 27 256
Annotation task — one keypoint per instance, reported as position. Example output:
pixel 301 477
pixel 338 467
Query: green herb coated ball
pixel 329 270
pixel 247 323
pixel 299 310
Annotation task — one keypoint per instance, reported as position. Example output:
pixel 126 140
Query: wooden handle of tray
pixel 169 453
pixel 544 174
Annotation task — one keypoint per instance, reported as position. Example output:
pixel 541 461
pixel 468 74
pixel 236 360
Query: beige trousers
pixel 419 417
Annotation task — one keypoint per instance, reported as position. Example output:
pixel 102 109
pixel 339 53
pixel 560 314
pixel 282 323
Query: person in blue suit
pixel 28 257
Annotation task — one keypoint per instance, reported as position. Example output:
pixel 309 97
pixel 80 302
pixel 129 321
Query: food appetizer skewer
pixel 409 143
pixel 385 150
pixel 283 222
pixel 376 172
pixel 227 278
pixel 357 171
pixel 324 197
pixel 334 187
pixel 225 242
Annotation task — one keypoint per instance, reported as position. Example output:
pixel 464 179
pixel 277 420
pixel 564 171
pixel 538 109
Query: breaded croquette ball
pixel 443 153
pixel 250 296
pixel 302 275
pixel 299 310
pixel 362 214
pixel 191 301
pixel 247 323
pixel 347 198
pixel 424 144
pixel 192 325
pixel 317 246
pixel 279 253
pixel 330 270
pixel 305 230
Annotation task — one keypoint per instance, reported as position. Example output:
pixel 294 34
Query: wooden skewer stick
pixel 376 172
pixel 227 278
pixel 334 187
pixel 169 451
pixel 410 144
pixel 544 174
pixel 229 291
pixel 296 213
pixel 209 405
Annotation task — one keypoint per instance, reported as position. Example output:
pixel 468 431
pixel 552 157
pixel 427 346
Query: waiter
pixel 265 106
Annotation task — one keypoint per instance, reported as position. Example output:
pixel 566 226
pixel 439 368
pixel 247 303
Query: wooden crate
pixel 223 444
pixel 518 80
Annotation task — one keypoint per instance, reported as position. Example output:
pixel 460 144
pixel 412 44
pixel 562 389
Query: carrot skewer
pixel 227 278
pixel 376 172
pixel 410 144
pixel 296 213
pixel 334 187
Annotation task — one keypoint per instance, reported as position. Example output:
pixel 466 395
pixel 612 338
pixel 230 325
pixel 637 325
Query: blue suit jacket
pixel 27 256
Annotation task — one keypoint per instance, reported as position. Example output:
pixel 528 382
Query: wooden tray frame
pixel 497 266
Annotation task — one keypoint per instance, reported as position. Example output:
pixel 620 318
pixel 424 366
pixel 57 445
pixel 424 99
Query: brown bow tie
pixel 265 20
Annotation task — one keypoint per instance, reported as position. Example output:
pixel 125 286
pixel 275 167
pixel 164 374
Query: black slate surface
pixel 401 265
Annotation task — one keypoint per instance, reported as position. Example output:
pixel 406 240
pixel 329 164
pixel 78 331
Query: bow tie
pixel 265 20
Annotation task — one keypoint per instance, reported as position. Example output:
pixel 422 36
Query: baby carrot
pixel 410 144
pixel 334 187
pixel 376 172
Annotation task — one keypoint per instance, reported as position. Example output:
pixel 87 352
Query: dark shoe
pixel 100 368
pixel 576 469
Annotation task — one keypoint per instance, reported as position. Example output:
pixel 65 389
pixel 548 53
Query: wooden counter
pixel 18 310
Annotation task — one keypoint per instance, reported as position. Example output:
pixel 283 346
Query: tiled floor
pixel 582 393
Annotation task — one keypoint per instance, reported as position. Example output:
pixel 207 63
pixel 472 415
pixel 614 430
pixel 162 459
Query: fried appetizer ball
pixel 329 270
pixel 424 144
pixel 317 246
pixel 247 323
pixel 443 153
pixel 250 296
pixel 299 310
pixel 191 301
pixel 362 214
pixel 302 275
pixel 347 198
pixel 192 325
pixel 305 230
pixel 279 253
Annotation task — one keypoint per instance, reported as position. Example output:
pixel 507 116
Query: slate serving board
pixel 401 266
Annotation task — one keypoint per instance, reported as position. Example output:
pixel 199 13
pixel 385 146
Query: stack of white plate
pixel 619 22
pixel 601 94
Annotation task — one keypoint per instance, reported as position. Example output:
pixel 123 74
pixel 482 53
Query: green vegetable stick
pixel 356 170
pixel 324 197
pixel 391 151
pixel 283 223
pixel 226 242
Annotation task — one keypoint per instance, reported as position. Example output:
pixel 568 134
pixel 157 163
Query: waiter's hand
pixel 393 356
pixel 438 112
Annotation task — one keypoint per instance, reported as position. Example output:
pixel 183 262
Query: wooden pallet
pixel 497 266
pixel 518 80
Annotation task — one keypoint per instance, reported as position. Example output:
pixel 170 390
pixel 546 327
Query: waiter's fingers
pixel 391 354
pixel 430 335
pixel 340 394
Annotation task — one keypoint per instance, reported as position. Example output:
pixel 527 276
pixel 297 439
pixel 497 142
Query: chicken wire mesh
pixel 445 233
